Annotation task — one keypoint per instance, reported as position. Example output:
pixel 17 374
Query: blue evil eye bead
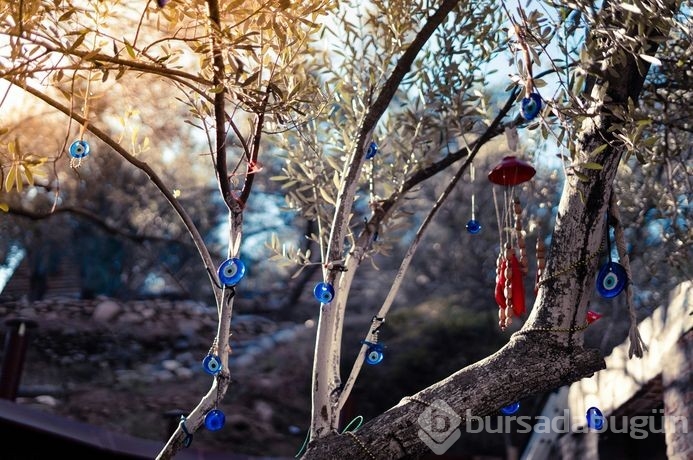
pixel 510 409
pixel 611 280
pixel 211 364
pixel 374 354
pixel 323 292
pixel 531 106
pixel 214 420
pixel 79 149
pixel 595 418
pixel 231 271
pixel 372 150
pixel 473 226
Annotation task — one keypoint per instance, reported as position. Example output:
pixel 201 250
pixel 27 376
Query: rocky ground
pixel 124 366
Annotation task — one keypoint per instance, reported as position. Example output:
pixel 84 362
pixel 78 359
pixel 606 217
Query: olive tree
pixel 363 102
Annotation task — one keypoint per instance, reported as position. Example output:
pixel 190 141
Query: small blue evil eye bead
pixel 372 150
pixel 510 409
pixel 374 354
pixel 231 271
pixel 595 418
pixel 611 280
pixel 473 226
pixel 323 292
pixel 211 364
pixel 79 149
pixel 531 106
pixel 214 420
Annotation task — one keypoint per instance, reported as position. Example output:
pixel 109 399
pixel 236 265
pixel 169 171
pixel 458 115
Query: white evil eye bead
pixel 323 292
pixel 473 226
pixel 510 409
pixel 231 271
pixel 372 150
pixel 611 280
pixel 79 149
pixel 531 106
pixel 374 354
pixel 595 418
pixel 214 420
pixel 211 364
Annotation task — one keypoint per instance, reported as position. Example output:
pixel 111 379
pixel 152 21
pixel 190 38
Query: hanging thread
pixel 637 346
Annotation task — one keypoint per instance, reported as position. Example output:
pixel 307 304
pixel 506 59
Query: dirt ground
pixel 267 406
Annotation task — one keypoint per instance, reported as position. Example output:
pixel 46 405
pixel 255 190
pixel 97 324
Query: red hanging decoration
pixel 512 263
pixel 593 316
pixel 511 171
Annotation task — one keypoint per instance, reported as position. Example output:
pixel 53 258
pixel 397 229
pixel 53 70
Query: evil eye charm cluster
pixel 530 106
pixel 611 280
pixel 79 149
pixel 323 292
pixel 231 271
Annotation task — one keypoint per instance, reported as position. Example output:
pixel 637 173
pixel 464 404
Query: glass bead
pixel 510 409
pixel 79 149
pixel 231 271
pixel 372 150
pixel 593 316
pixel 611 280
pixel 531 106
pixel 473 226
pixel 214 420
pixel 211 364
pixel 595 418
pixel 374 354
pixel 323 292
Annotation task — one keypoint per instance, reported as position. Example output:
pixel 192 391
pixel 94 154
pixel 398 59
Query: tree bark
pixel 523 367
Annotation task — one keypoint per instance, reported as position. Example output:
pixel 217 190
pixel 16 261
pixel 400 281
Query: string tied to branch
pixel 637 345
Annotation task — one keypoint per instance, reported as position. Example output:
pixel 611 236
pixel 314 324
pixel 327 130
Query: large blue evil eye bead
pixel 214 420
pixel 231 271
pixel 473 226
pixel 79 149
pixel 510 409
pixel 531 106
pixel 611 280
pixel 323 292
pixel 374 354
pixel 211 364
pixel 595 418
pixel 372 150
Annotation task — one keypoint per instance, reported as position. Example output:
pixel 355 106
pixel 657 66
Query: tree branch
pixel 523 367
pixel 328 341
pixel 94 218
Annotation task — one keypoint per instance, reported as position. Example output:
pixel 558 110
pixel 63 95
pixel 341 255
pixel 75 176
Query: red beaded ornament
pixel 512 263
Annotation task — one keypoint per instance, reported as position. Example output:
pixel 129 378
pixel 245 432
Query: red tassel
pixel 518 287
